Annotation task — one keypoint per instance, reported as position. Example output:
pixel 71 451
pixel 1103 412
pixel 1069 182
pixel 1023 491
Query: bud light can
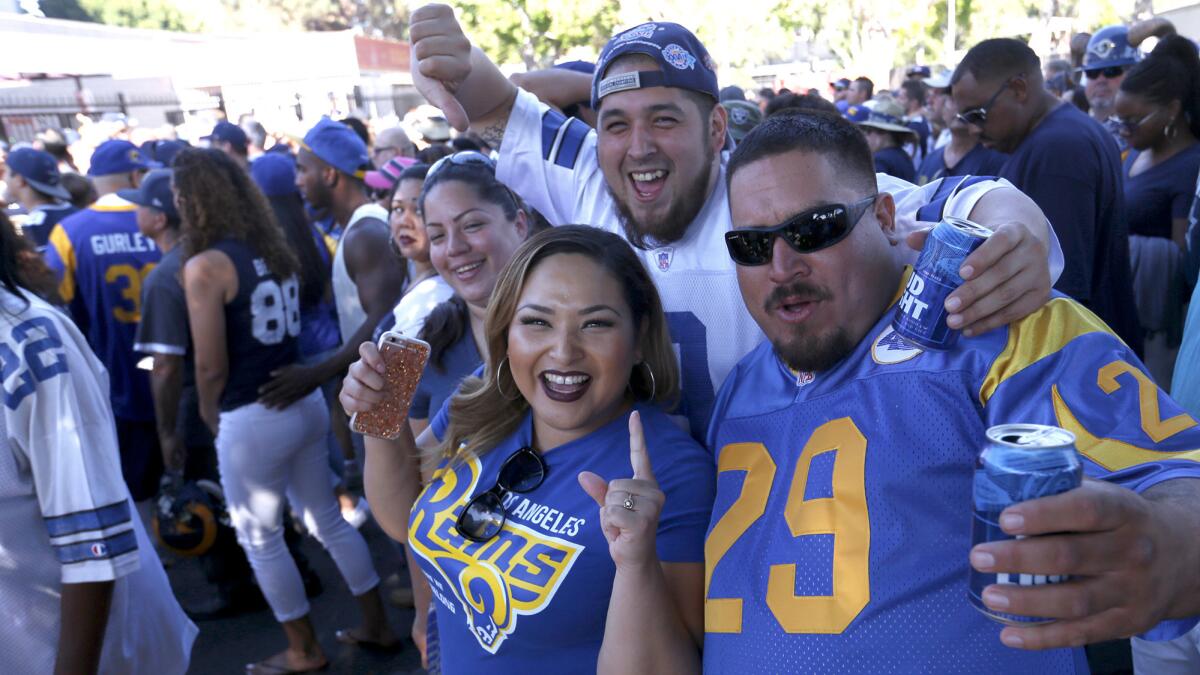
pixel 1019 462
pixel 921 314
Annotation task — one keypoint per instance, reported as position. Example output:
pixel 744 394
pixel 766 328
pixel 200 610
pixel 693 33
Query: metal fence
pixel 22 117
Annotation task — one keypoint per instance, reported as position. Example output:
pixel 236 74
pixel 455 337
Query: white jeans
pixel 1180 656
pixel 264 455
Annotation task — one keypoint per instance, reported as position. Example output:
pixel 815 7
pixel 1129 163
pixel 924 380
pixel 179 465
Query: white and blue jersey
pixel 842 522
pixel 535 598
pixel 550 160
pixel 68 518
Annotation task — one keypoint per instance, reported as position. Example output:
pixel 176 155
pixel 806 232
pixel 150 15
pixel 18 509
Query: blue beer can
pixel 921 313
pixel 1019 462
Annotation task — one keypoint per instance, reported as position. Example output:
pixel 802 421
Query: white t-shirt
pixel 350 311
pixel 551 162
pixel 67 515
pixel 418 302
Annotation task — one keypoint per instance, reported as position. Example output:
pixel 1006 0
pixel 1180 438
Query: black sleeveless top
pixel 262 323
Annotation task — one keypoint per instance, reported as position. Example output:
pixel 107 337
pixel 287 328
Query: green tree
pixel 157 14
pixel 537 33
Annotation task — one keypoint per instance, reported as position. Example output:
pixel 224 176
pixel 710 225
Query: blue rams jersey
pixel 535 598
pixel 842 521
pixel 101 261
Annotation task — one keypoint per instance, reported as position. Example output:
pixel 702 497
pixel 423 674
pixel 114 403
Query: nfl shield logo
pixel 663 257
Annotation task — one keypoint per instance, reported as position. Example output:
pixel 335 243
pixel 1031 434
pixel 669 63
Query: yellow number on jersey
pixel 844 515
pixel 1153 424
pixel 132 292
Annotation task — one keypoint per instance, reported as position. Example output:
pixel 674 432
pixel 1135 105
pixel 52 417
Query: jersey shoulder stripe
pixel 94 519
pixel 1038 336
pixel 949 187
pixel 106 548
pixel 65 251
pixel 562 138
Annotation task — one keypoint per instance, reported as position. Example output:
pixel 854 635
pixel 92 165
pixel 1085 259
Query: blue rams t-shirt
pixel 895 162
pixel 535 598
pixel 842 522
pixel 101 260
pixel 1161 193
pixel 979 161
pixel 1070 167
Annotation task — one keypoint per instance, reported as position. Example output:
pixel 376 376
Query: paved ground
pixel 225 646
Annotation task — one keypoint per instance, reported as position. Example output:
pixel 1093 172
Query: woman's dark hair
pixel 449 321
pixel 434 152
pixel 1170 73
pixel 461 143
pixel 314 273
pixel 479 176
pixel 415 172
pixel 359 128
pixel 445 325
pixel 22 267
pixel 791 102
pixel 218 200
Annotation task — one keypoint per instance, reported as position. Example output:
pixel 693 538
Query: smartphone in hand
pixel 404 358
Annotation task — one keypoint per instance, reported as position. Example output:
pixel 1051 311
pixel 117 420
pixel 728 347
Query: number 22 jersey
pixel 842 521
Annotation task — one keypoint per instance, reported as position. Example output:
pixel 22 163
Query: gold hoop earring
pixel 498 387
pixel 653 384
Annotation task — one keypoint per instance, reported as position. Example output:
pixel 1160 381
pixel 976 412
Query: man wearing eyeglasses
pixel 840 535
pixel 1066 162
pixel 651 171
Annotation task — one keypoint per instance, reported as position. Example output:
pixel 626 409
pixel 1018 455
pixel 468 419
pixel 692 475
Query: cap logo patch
pixel 622 82
pixel 1104 48
pixel 133 155
pixel 642 32
pixel 739 116
pixel 679 57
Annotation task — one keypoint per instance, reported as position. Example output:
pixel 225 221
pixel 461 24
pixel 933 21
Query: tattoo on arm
pixel 493 132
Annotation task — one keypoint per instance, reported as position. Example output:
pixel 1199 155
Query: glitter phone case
pixel 405 359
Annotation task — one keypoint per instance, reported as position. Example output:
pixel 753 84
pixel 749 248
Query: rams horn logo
pixel 644 32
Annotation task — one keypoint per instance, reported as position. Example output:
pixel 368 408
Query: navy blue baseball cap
pixel 162 151
pixel 857 113
pixel 155 192
pixel 338 146
pixel 275 174
pixel 683 61
pixel 40 170
pixel 1110 47
pixel 229 133
pixel 113 157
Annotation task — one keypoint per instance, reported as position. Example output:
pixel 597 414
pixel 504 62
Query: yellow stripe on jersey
pixel 66 252
pixel 109 208
pixel 1111 454
pixel 1038 336
pixel 330 243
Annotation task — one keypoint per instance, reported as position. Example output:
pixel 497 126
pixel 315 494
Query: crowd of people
pixel 665 424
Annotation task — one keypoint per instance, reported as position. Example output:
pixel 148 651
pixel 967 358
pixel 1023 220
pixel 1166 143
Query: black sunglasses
pixel 484 516
pixel 978 116
pixel 1111 73
pixel 805 232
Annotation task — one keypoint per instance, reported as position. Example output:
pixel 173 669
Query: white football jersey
pixel 550 161
pixel 68 517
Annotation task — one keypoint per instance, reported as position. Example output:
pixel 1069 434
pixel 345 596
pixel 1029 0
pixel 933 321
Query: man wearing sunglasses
pixel 1109 54
pixel 840 535
pixel 651 171
pixel 1066 162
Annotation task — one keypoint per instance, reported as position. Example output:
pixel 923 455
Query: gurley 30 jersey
pixel 101 260
pixel 842 522
pixel 550 160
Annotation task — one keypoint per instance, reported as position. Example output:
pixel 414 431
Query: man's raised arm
pixel 458 78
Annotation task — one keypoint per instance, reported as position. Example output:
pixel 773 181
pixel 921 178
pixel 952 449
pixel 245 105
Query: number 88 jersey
pixel 841 526
pixel 262 323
